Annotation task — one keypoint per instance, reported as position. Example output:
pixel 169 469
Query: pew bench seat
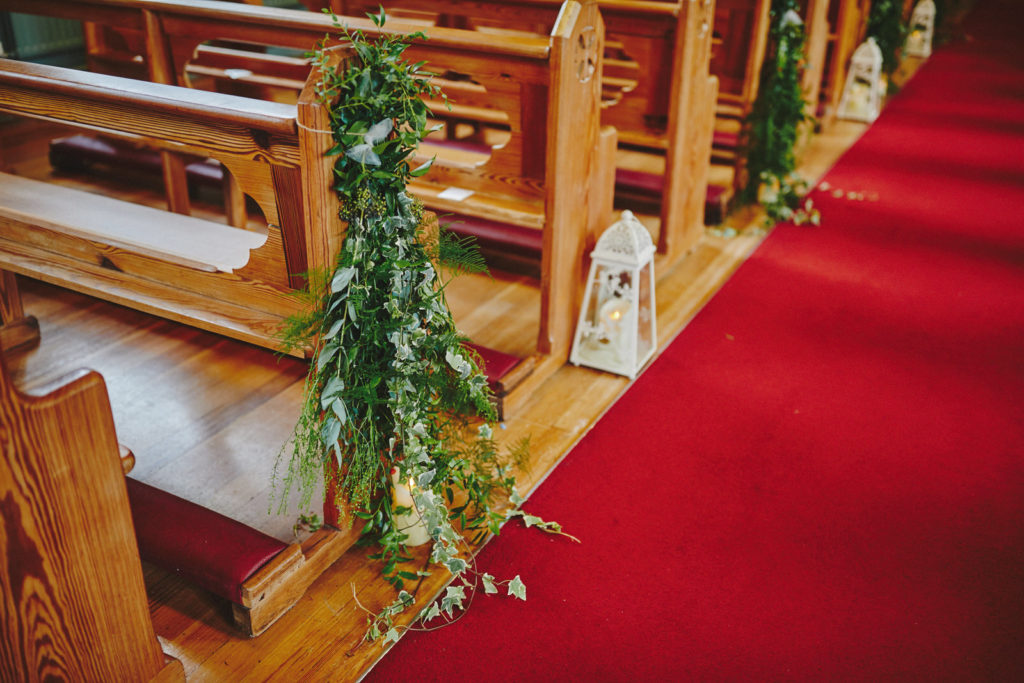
pixel 184 240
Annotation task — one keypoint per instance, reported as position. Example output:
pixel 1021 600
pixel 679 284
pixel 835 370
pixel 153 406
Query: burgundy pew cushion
pixel 213 551
pixel 725 140
pixel 497 235
pixel 651 185
pixel 641 182
pixel 496 363
pixel 80 151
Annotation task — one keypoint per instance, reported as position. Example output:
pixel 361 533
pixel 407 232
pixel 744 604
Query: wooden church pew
pixel 656 89
pixel 520 185
pixel 259 576
pixel 847 20
pixel 740 40
pixel 76 606
pixel 220 278
pixel 816 23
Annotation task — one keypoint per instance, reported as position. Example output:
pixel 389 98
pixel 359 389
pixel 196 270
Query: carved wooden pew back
pixel 224 279
pixel 544 178
pixel 71 581
pixel 655 86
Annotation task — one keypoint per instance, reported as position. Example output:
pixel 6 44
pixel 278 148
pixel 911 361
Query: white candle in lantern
pixel 614 317
pixel 409 523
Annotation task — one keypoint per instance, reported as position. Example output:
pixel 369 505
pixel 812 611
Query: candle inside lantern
pixel 409 523
pixel 614 320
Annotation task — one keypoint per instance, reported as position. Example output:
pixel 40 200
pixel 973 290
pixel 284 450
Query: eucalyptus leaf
pixel 338 408
pixel 342 278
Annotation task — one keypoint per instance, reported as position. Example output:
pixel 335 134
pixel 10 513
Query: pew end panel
pixel 73 579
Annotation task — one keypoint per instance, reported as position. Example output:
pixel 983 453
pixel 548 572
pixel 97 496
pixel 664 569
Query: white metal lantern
pixel 616 329
pixel 862 93
pixel 922 27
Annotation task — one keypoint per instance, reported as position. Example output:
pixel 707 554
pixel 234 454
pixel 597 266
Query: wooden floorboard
pixel 207 416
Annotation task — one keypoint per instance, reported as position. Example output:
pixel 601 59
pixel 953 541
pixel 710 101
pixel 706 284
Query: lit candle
pixel 409 523
pixel 613 315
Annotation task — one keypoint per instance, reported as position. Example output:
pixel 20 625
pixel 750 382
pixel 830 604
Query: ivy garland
pixel 886 26
pixel 391 384
pixel 774 123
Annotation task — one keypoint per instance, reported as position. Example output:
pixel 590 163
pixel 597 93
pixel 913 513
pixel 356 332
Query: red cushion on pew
pixel 78 151
pixel 496 363
pixel 515 238
pixel 213 551
pixel 651 184
pixel 723 139
pixel 640 181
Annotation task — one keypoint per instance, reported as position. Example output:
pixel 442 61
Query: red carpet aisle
pixel 823 477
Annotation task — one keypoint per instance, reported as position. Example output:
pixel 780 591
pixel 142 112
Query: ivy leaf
pixel 431 612
pixel 392 636
pixel 452 600
pixel 489 587
pixel 517 588
pixel 530 520
pixel 456 565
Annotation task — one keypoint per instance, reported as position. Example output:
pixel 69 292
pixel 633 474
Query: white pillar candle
pixel 409 523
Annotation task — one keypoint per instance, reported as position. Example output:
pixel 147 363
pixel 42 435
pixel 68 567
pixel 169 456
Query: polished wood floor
pixel 207 417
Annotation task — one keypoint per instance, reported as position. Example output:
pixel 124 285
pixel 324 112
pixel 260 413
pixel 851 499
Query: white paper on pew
pixel 456 194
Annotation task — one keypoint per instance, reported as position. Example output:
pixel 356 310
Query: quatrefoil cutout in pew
pixel 586 57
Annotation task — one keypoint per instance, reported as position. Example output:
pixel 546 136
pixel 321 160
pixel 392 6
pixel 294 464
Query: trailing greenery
pixel 775 120
pixel 392 384
pixel 886 26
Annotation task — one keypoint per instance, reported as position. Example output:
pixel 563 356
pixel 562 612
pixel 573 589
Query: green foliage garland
pixel 391 384
pixel 774 122
pixel 886 26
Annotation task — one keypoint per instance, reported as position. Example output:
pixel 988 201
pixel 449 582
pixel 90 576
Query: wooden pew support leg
pixel 16 329
pixel 275 588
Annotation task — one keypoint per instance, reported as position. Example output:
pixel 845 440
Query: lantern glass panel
pixel 608 320
pixel 645 331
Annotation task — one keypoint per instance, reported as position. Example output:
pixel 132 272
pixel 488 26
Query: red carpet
pixel 823 477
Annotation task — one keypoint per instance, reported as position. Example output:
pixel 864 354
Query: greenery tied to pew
pixel 886 26
pixel 391 383
pixel 774 123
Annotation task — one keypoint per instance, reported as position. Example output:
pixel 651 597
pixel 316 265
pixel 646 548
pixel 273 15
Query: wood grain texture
pixel 74 603
pixel 16 329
